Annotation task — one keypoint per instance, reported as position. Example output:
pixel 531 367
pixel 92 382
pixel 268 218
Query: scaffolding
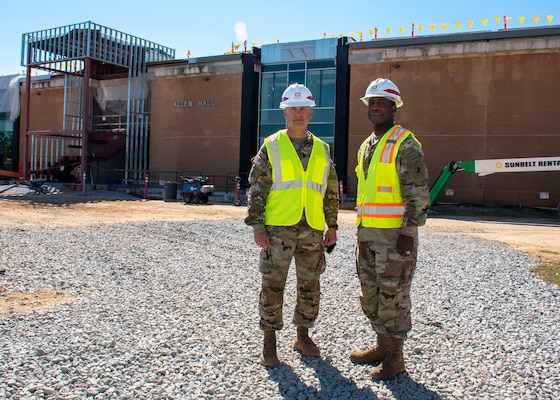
pixel 84 52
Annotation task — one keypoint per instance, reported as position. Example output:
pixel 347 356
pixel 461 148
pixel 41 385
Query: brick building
pixel 475 96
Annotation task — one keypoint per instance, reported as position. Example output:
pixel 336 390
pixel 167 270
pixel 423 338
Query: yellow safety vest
pixel 379 202
pixel 293 188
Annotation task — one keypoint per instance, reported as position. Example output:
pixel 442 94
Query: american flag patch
pixel 257 161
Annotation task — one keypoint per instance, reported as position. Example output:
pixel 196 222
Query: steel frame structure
pixel 82 52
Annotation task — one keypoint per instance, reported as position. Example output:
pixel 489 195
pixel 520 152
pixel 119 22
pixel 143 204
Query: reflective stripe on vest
pixel 378 210
pixel 293 188
pixel 390 148
pixel 379 203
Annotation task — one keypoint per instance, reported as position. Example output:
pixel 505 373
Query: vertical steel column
pixel 144 118
pixel 85 123
pixel 128 148
pixel 76 47
pixel 27 121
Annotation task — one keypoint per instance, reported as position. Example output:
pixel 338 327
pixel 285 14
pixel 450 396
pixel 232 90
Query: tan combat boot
pixel 269 358
pixel 393 364
pixel 374 354
pixel 304 344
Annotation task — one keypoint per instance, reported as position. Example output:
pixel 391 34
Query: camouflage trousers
pixel 305 246
pixel 385 282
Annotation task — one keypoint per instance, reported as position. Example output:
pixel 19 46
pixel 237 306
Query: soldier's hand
pixel 404 245
pixel 330 237
pixel 262 240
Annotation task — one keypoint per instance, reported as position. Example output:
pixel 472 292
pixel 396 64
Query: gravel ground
pixel 168 310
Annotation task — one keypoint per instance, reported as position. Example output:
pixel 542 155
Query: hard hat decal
pixel 297 95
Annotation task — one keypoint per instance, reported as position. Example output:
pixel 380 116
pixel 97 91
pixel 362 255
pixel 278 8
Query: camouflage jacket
pixel 260 179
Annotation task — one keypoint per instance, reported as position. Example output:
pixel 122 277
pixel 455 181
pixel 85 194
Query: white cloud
pixel 240 31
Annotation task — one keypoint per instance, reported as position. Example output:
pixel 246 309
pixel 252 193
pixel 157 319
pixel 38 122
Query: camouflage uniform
pixel 386 276
pixel 300 242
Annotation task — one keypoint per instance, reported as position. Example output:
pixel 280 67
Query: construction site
pixel 115 110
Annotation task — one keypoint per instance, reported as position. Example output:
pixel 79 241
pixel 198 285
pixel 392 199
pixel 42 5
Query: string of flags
pixel 501 21
pixel 504 22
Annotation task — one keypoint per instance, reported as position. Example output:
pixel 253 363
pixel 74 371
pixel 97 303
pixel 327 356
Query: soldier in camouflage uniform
pixel 393 201
pixel 289 213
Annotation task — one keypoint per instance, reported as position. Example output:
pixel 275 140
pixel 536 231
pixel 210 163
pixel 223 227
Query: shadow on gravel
pixel 332 383
pixel 404 387
pixel 513 213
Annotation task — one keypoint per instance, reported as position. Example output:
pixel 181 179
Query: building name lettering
pixel 191 103
pixel 205 103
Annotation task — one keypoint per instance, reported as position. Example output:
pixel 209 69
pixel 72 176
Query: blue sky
pixel 207 28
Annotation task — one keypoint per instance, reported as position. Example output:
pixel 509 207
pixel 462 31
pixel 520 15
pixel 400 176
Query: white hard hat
pixel 383 88
pixel 297 95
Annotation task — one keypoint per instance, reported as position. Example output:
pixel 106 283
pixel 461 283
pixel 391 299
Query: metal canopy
pixel 53 48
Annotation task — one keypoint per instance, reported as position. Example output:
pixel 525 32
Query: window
pixel 318 76
pixel 6 142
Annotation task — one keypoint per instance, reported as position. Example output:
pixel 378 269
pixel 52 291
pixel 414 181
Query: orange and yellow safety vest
pixel 379 202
